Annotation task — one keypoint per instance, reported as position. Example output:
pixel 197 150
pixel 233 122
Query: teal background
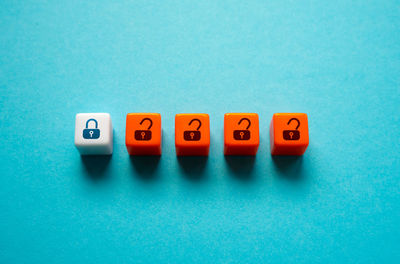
pixel 337 61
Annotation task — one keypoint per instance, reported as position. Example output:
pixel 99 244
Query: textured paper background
pixel 337 61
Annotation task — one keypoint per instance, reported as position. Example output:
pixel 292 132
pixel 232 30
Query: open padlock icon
pixel 91 133
pixel 144 134
pixel 192 135
pixel 242 134
pixel 292 134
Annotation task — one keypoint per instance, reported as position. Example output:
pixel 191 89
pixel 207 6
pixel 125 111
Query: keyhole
pixel 291 135
pixel 241 135
pixel 142 134
pixel 191 135
pixel 91 133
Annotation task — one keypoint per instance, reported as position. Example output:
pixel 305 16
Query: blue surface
pixel 337 61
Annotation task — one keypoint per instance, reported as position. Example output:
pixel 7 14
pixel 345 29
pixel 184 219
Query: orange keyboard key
pixel 241 134
pixel 289 134
pixel 192 134
pixel 143 134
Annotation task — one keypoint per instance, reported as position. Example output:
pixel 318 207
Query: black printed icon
pixel 192 135
pixel 144 134
pixel 292 134
pixel 242 134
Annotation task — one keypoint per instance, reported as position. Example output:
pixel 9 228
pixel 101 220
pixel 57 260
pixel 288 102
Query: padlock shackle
pixel 91 119
pixel 148 119
pixel 298 122
pixel 195 119
pixel 248 120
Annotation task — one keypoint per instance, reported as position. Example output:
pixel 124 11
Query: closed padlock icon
pixel 91 133
pixel 192 135
pixel 292 134
pixel 144 134
pixel 242 134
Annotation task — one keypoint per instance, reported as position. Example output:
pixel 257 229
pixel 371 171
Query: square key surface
pixel 94 134
pixel 241 134
pixel 192 134
pixel 143 134
pixel 289 134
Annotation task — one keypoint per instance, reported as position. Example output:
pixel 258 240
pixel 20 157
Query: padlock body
pixel 193 135
pixel 241 134
pixel 142 134
pixel 87 133
pixel 291 134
